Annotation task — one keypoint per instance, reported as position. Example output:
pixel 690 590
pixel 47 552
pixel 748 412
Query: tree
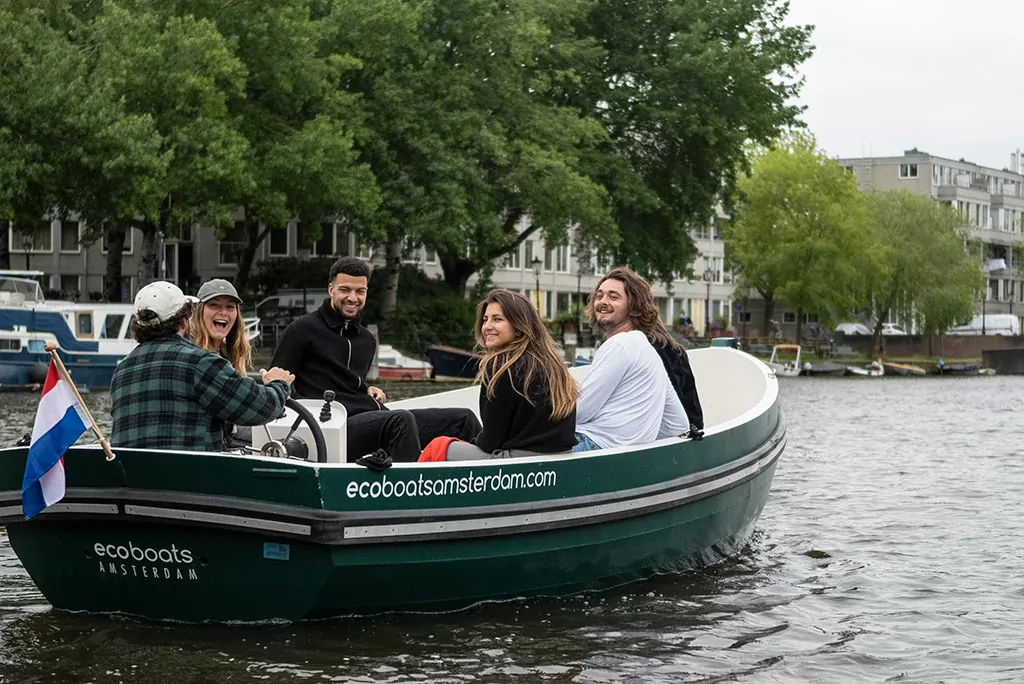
pixel 798 231
pixel 67 138
pixel 299 124
pixel 921 265
pixel 682 87
pixel 472 149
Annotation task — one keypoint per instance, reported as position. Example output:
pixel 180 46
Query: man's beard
pixel 608 325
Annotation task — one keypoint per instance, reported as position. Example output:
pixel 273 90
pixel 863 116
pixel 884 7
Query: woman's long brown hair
pixel 235 349
pixel 532 352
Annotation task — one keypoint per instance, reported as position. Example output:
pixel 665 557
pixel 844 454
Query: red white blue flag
pixel 60 421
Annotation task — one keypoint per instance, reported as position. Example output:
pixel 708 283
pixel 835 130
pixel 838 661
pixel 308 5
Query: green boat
pixel 212 537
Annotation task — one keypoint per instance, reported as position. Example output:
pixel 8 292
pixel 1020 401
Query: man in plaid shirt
pixel 170 394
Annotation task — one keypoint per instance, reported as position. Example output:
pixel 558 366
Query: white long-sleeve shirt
pixel 627 397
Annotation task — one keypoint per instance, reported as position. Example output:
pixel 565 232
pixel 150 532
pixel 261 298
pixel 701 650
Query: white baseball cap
pixel 162 298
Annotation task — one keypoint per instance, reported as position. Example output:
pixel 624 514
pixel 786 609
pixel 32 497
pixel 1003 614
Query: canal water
pixel 890 550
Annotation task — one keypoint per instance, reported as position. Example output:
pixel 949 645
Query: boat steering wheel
pixel 280 448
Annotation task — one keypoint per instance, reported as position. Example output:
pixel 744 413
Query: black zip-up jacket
pixel 328 353
pixel 680 374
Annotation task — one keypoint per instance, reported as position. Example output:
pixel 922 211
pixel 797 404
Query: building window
pixel 279 241
pixel 562 259
pixel 325 246
pixel 70 236
pixel 230 248
pixel 512 259
pixel 561 302
pixel 432 257
pixel 128 243
pixel 69 286
pixel 37 238
pixel 908 170
pixel 365 252
pixel 788 317
pixel 528 255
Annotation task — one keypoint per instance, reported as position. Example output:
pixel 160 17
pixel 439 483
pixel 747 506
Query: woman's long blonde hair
pixel 235 349
pixel 532 351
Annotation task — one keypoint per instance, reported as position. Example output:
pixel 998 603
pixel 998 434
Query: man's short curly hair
pixel 146 328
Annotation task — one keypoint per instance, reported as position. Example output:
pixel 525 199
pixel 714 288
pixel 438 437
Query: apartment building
pixel 554 277
pixel 991 199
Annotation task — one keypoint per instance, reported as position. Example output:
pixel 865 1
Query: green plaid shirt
pixel 170 394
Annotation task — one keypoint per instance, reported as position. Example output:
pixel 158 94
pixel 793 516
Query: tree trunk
pixel 253 238
pixel 457 272
pixel 149 264
pixel 878 342
pixel 392 267
pixel 115 257
pixel 5 253
pixel 799 325
pixel 769 311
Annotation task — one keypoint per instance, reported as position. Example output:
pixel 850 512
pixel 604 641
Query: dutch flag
pixel 60 421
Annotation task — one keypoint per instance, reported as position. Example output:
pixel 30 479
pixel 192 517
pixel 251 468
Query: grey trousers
pixel 464 451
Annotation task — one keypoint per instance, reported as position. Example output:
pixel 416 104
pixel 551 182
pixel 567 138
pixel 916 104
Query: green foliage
pixel 428 312
pixel 273 275
pixel 798 230
pixel 921 266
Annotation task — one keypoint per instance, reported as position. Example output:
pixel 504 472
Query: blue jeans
pixel 584 443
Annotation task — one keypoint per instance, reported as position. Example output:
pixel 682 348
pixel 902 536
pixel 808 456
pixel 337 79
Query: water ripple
pixel 889 552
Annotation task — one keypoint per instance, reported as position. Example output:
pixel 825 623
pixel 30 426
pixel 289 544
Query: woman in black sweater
pixel 527 397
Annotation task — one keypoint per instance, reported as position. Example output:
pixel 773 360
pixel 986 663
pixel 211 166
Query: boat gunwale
pixel 329 527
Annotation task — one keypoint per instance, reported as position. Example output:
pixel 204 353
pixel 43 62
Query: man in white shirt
pixel 627 397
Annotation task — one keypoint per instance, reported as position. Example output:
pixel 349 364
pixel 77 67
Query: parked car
pixel 853 329
pixel 892 329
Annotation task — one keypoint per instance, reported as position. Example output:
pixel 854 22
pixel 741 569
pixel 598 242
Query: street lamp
pixel 582 269
pixel 709 277
pixel 536 263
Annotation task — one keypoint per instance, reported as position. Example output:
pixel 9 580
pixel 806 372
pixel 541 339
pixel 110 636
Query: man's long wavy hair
pixel 532 353
pixel 236 348
pixel 641 310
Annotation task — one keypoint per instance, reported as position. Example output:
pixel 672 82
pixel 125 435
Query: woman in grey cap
pixel 218 325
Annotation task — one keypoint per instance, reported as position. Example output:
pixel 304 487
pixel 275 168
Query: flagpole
pixel 52 348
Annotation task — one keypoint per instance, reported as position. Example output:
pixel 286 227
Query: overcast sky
pixel 944 76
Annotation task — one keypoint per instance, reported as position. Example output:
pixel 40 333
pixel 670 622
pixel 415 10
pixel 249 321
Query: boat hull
pixel 449 362
pixel 171 545
pixel 25 368
pixel 395 373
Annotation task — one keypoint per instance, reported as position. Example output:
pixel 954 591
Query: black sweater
pixel 511 422
pixel 328 353
pixel 680 374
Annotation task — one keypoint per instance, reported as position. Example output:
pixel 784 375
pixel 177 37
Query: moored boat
pixel 92 337
pixel 903 369
pixel 785 368
pixel 830 368
pixel 212 537
pixel 393 365
pixel 450 362
pixel 964 368
pixel 873 370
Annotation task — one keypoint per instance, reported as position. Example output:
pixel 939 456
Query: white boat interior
pixel 733 386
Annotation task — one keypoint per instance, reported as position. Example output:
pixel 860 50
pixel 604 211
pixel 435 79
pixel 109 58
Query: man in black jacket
pixel 329 350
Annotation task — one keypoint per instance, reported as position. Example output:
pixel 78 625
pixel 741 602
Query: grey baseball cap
pixel 216 288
